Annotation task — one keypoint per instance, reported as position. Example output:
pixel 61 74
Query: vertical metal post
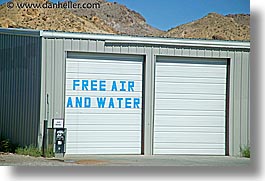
pixel 44 140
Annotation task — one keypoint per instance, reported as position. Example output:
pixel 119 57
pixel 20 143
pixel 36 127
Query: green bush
pixel 49 152
pixel 7 146
pixel 29 150
pixel 245 151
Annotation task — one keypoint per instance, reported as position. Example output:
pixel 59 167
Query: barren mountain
pixel 118 19
pixel 215 26
pixel 48 19
pixel 117 16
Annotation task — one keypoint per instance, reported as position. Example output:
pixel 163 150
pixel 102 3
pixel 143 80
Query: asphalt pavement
pixel 155 160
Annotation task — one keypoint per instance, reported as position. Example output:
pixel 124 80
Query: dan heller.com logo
pixel 50 5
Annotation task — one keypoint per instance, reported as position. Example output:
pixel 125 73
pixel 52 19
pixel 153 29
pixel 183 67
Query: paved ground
pixel 123 160
pixel 157 160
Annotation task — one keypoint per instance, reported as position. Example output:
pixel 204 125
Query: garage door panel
pixel 191 104
pixel 100 127
pixel 107 94
pixel 108 61
pixel 176 145
pixel 96 111
pixel 115 71
pixel 185 96
pixel 190 107
pixel 113 127
pixel 72 75
pixel 189 137
pixel 190 72
pixel 185 121
pixel 180 79
pixel 104 119
pixel 105 145
pixel 188 67
pixel 97 119
pixel 91 151
pixel 191 151
pixel 193 121
pixel 185 112
pixel 97 133
pixel 69 87
pixel 187 62
pixel 190 88
pixel 197 129
pixel 72 137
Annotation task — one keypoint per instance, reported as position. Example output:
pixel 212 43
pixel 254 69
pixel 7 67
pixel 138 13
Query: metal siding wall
pixel 244 99
pixel 59 64
pixel 148 100
pixel 231 55
pixel 239 82
pixel 49 44
pixel 237 102
pixel 20 77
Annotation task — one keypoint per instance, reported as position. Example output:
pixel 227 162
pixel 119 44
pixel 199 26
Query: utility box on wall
pixel 125 95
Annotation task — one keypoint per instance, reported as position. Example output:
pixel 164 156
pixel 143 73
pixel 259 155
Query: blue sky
pixel 166 14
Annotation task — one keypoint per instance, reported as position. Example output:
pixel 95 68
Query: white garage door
pixel 103 104
pixel 190 104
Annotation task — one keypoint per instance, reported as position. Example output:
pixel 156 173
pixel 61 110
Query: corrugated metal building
pixel 124 94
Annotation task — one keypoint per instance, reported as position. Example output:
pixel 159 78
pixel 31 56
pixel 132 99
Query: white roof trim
pixel 122 39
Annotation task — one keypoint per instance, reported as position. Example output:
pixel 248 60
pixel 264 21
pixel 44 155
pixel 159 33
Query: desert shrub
pixel 245 151
pixel 7 146
pixel 29 150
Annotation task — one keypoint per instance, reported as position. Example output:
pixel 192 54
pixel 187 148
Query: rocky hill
pixel 215 26
pixel 118 17
pixel 115 18
pixel 48 19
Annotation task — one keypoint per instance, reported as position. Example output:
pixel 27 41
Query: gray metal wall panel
pixel 108 49
pixel 132 49
pixel 185 52
pixel 100 46
pixel 68 44
pixel 92 46
pixel 59 74
pixel 236 105
pixel 83 44
pixel 215 53
pixel 124 49
pixel 177 51
pixel 237 102
pixel 149 97
pixel 193 52
pixel 200 52
pixel 171 51
pixel 75 45
pixel 20 73
pixel 244 98
pixel 140 49
pixel 231 55
pixel 164 51
pixel 208 53
pixel 223 54
pixel 49 44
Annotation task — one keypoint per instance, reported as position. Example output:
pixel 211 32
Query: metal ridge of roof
pixel 127 39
